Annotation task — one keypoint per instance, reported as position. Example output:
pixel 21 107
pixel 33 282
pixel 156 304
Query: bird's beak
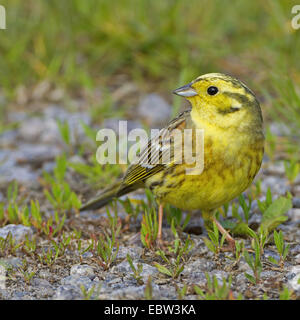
pixel 186 91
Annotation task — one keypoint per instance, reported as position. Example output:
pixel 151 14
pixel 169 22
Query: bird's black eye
pixel 212 90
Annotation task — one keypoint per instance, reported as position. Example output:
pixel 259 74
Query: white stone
pixel 294 281
pixel 18 232
pixel 82 270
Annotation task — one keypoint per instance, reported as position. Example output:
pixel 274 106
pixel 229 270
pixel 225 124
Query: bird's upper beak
pixel 186 91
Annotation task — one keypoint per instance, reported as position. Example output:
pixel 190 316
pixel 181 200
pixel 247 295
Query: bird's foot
pixel 230 247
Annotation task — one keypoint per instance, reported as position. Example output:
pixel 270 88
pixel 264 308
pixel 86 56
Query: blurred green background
pixel 157 45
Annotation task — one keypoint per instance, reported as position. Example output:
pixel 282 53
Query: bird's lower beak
pixel 186 91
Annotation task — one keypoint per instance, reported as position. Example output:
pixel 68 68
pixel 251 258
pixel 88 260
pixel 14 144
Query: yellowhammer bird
pixel 230 117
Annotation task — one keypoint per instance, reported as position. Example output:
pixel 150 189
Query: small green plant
pixel 8 245
pixel 64 129
pixel 130 209
pixel 265 296
pixel 181 292
pixel 13 213
pixel 95 174
pixel 285 294
pixel 27 275
pixel 12 192
pixel 282 248
pixel 81 250
pixel 48 257
pixel 174 268
pixel 76 234
pixel 215 291
pixel 107 246
pixel 254 263
pixel 149 228
pixel 176 255
pixel 245 206
pixel 262 237
pixel 106 250
pixel 176 214
pixel 273 212
pixel 62 198
pixel 239 249
pixel 136 270
pixel 57 191
pixel 214 243
pixel 51 229
pixel 66 239
pixel 36 215
pixel 2 214
pixel 148 293
pixel 241 226
pixel 223 210
pixel 62 245
pixel 89 132
pixel 87 294
pixel 30 245
pixel 292 169
pixel 263 205
pixel 255 189
pixel 150 200
pixel 271 141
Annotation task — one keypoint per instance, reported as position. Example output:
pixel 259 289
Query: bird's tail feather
pixel 106 196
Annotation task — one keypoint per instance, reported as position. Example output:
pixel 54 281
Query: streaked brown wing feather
pixel 157 149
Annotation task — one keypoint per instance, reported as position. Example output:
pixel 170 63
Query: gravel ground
pixel 30 149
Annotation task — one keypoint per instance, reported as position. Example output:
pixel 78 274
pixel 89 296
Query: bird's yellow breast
pixel 231 161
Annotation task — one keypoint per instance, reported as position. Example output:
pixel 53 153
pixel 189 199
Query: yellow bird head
pixel 223 99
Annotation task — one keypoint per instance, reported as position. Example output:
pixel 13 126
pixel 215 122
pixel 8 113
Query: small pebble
pixel 134 252
pixel 278 185
pixel 67 292
pixel 77 281
pixel 82 270
pixel 18 232
pixel 293 278
pixel 297 258
pixel 295 214
pixel 125 268
pixel 248 294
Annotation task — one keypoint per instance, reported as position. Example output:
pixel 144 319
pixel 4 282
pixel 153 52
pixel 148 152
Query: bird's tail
pixel 106 196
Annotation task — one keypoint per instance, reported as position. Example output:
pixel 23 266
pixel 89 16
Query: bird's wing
pixel 158 154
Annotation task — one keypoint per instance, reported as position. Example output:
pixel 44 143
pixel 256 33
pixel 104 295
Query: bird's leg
pixel 160 217
pixel 228 237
